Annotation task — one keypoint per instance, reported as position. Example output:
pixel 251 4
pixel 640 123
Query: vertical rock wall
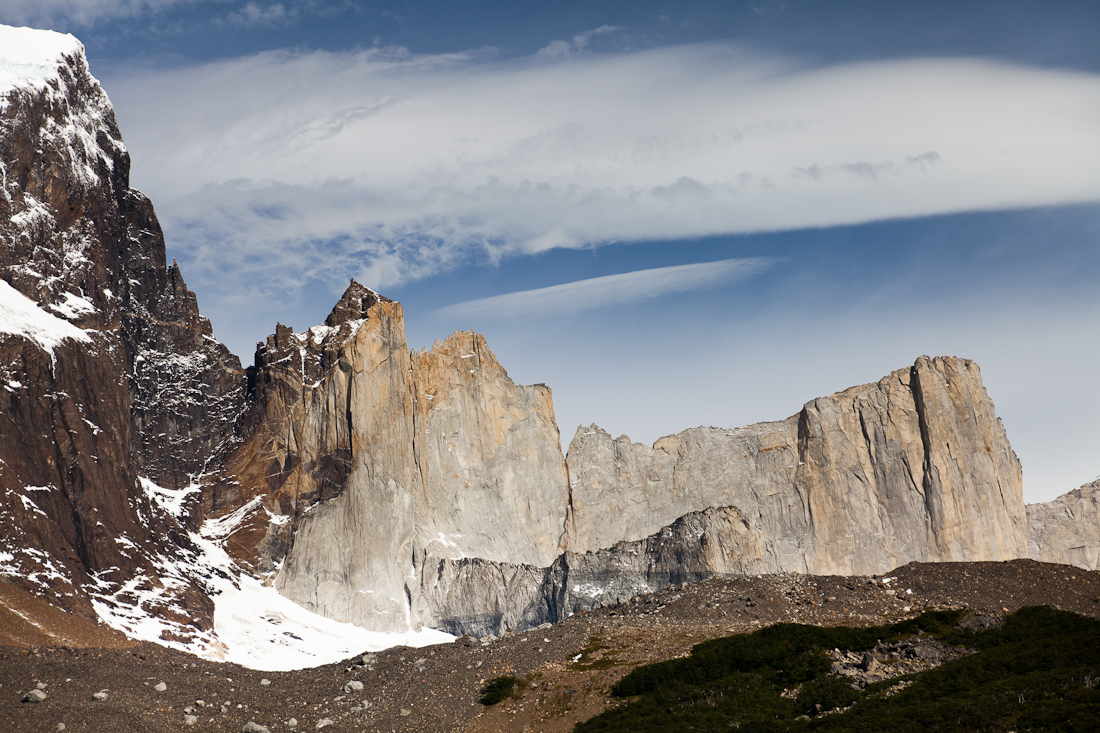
pixel 490 457
pixel 915 467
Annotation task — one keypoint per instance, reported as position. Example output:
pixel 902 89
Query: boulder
pixel 34 695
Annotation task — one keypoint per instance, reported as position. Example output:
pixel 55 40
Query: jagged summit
pixel 354 304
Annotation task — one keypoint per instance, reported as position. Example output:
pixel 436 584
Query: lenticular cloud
pixel 390 167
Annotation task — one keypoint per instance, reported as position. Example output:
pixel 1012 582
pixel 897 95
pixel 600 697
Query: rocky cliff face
pixel 914 467
pixel 1067 529
pixel 95 335
pixel 373 464
pixel 428 488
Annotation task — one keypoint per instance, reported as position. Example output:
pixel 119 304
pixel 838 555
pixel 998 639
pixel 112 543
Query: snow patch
pixel 277 519
pixel 222 527
pixel 21 316
pixel 170 500
pixel 38 568
pixel 29 56
pixel 254 626
pixel 73 307
pixel 30 506
pixel 264 630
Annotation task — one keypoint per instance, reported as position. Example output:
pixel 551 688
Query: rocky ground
pixel 567 669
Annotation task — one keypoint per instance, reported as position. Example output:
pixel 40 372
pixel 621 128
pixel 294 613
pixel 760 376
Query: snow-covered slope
pixel 28 56
pixel 254 625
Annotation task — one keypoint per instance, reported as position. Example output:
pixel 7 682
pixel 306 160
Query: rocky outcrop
pixel 479 597
pixel 489 452
pixel 916 467
pixel 1067 529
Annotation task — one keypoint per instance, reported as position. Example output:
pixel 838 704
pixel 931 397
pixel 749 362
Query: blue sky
pixel 674 214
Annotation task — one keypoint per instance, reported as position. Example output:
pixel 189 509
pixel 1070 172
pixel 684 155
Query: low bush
pixel 498 689
pixel 1039 671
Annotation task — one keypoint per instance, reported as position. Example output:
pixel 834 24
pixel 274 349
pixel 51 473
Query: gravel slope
pixel 436 688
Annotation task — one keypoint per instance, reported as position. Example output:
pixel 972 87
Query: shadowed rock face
pixel 118 397
pixel 1067 529
pixel 477 597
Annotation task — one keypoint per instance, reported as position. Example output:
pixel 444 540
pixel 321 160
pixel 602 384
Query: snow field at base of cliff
pixel 254 626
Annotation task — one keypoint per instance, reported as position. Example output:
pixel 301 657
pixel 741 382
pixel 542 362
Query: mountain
pixel 103 355
pixel 148 481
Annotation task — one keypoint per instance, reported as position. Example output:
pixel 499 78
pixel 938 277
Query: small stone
pixel 292 723
pixel 34 696
pixel 353 686
pixel 324 723
pixel 41 686
pixel 190 719
pixel 189 710
pixel 405 712
pixel 265 682
pixel 253 727
pixel 59 727
pixel 160 687
pixel 101 695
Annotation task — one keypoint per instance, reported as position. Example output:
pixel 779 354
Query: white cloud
pixel 388 166
pixel 87 13
pixel 609 290
pixel 578 44
pixel 254 15
pixel 79 13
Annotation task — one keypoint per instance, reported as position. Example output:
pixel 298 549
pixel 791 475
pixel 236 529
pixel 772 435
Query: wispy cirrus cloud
pixel 561 49
pixel 256 15
pixel 608 290
pixel 389 166
pixel 80 13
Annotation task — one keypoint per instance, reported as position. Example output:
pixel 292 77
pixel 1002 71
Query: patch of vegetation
pixel 585 660
pixel 1038 672
pixel 498 689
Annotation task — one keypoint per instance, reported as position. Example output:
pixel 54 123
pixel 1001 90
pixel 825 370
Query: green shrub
pixel 497 690
pixel 1040 671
